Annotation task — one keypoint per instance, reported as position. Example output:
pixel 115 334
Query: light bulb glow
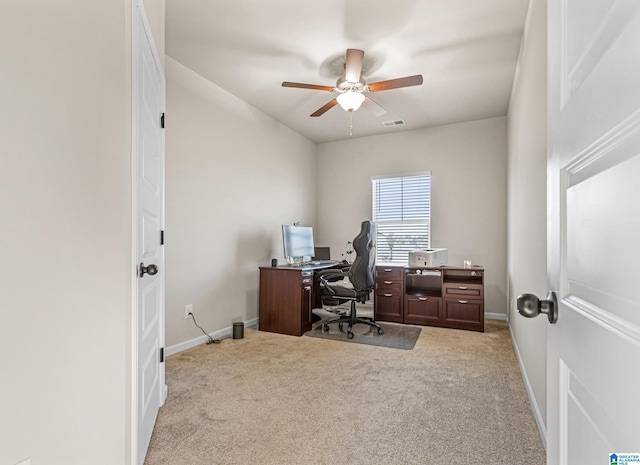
pixel 350 100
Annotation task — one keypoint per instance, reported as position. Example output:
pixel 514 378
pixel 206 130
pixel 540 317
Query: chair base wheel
pixel 351 320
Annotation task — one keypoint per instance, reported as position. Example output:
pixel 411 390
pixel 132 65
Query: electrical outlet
pixel 188 309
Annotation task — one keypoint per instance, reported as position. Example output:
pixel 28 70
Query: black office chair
pixel 361 274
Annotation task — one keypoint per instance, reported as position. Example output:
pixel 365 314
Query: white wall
pixel 65 205
pixel 234 176
pixel 527 200
pixel 468 163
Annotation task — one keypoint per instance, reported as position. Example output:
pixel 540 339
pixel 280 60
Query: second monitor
pixel 322 253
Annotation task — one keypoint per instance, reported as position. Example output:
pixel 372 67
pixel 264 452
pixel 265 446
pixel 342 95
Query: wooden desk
pixel 287 298
pixel 451 297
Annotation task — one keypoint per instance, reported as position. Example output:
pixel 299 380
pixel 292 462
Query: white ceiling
pixel 466 50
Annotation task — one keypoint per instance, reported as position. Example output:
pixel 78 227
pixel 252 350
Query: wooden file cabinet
pixel 463 294
pixel 450 297
pixel 285 300
pixel 389 289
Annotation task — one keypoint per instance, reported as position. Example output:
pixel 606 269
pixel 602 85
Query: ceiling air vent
pixel 398 122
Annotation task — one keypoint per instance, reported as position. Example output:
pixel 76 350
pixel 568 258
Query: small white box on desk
pixel 428 257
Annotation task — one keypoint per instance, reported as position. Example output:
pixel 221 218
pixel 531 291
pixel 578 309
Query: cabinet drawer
pixel 388 307
pixel 468 275
pixel 388 286
pixel 463 290
pixel 306 278
pixel 464 313
pixel 422 310
pixel 389 273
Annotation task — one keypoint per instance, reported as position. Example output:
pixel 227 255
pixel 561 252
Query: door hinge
pixel 161 237
pixel 162 121
pixel 161 354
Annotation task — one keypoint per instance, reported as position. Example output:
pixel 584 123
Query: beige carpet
pixel 458 397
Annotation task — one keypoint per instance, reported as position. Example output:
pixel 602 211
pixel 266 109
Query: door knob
pixel 530 306
pixel 150 269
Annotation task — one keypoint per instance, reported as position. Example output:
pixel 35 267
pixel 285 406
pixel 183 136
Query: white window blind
pixel 402 213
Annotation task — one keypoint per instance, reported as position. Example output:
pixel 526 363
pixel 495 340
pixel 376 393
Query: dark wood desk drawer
pixel 306 278
pixel 462 290
pixel 464 314
pixel 386 286
pixel 389 273
pixel 419 310
pixel 388 306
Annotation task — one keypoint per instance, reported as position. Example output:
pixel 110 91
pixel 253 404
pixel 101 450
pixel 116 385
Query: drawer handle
pixel 463 288
pixel 388 282
pixel 306 280
pixel 388 269
pixel 422 298
pixel 307 288
pixel 388 295
pixel 463 301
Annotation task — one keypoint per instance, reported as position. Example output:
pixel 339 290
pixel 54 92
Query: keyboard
pixel 316 264
pixel 323 262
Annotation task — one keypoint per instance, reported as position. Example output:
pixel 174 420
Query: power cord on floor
pixel 210 339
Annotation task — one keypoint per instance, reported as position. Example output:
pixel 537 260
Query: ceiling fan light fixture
pixel 350 101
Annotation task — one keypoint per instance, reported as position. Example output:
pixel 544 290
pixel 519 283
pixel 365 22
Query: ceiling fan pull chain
pixel 350 123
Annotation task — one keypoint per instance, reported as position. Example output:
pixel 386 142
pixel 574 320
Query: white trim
pixel 495 316
pixel 135 78
pixel 409 174
pixel 527 384
pixel 220 334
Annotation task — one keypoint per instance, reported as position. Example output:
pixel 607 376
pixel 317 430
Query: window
pixel 402 213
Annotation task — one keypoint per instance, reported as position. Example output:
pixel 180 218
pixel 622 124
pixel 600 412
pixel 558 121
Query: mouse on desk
pixel 344 262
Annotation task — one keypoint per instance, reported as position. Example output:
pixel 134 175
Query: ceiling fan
pixel 351 87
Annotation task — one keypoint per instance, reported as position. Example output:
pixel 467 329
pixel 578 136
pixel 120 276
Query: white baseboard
pixel 495 316
pixel 220 334
pixel 532 400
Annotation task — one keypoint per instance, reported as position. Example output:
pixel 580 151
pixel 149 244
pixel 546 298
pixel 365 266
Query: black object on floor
pixel 238 330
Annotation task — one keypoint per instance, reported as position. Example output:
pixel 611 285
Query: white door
pixel 149 89
pixel 593 353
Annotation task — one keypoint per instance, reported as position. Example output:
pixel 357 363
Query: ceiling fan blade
pixel 327 106
pixel 353 65
pixel 307 86
pixel 396 83
pixel 373 107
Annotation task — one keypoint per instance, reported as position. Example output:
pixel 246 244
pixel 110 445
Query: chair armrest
pixel 332 274
pixel 329 276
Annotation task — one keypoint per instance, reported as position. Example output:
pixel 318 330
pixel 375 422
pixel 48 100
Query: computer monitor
pixel 322 253
pixel 298 243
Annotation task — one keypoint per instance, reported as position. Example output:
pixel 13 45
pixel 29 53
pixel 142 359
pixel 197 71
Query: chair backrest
pixel 362 271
